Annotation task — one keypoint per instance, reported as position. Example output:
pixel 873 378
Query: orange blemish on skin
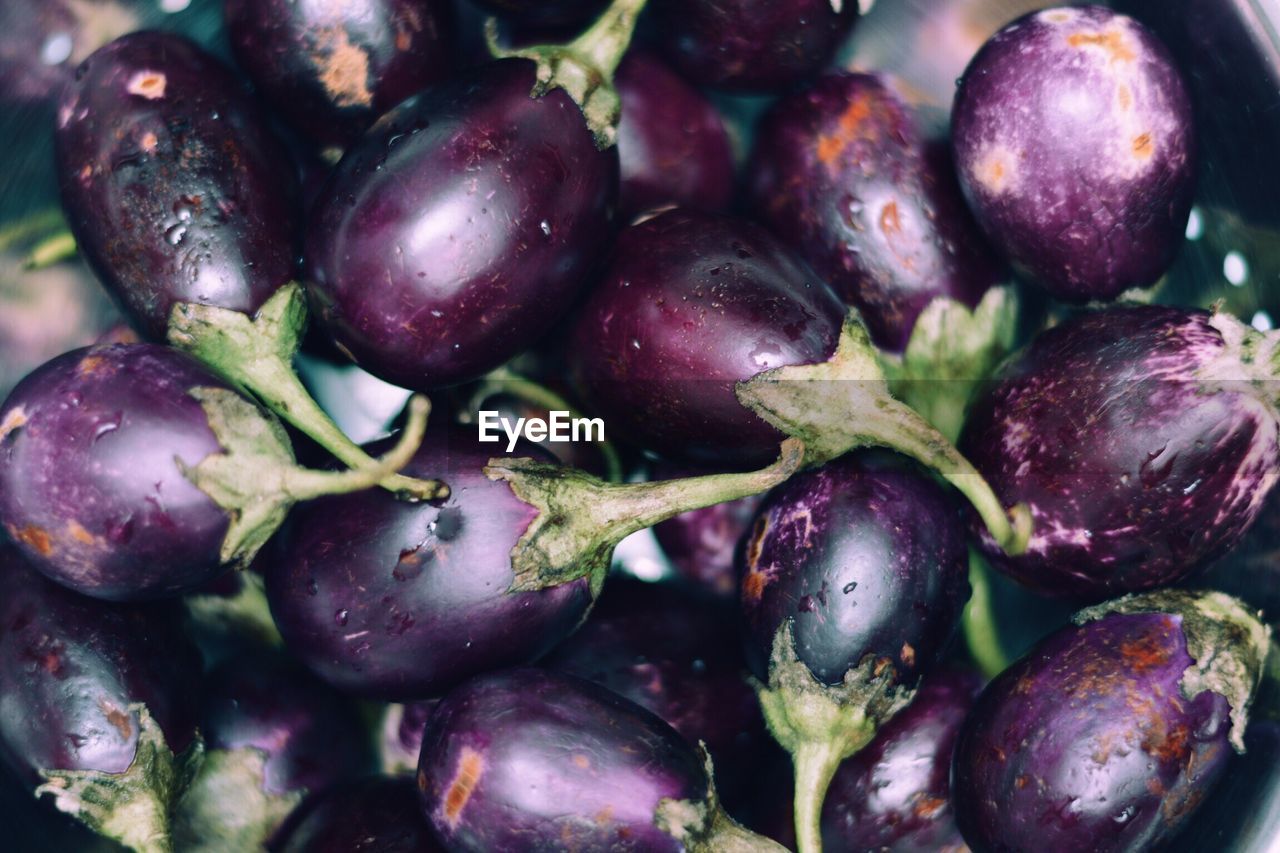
pixel 1112 41
pixel 891 219
pixel 581 761
pixel 36 537
pixel 470 769
pixel 1143 147
pixel 147 84
pixel 78 533
pixel 118 719
pixel 149 143
pixel 1125 96
pixel 831 146
pixel 927 807
pixel 344 68
pixel 89 365
pixel 16 419
pixel 1144 653
pixel 908 655
pixel 754 583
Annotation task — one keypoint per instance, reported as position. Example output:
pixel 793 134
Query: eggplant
pixel 1076 147
pixel 42 42
pixel 171 181
pixel 98 704
pixel 372 815
pixel 700 544
pixel 1143 439
pixel 532 760
pixel 332 68
pixel 854 576
pixel 402 730
pixel 753 46
pixel 1110 733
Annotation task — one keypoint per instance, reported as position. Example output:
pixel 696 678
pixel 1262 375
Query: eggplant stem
pixel 34 226
pixel 978 621
pixel 51 250
pixel 257 354
pixel 815 767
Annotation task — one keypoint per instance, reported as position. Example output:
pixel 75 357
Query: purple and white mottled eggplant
pixel 533 760
pixel 98 704
pixel 679 658
pixel 854 576
pixel 760 46
pixel 843 173
pixel 333 68
pixel 130 471
pixel 272 733
pixel 672 145
pixel 1110 732
pixel 373 815
pixel 1075 143
pixel 1143 439
pixel 172 184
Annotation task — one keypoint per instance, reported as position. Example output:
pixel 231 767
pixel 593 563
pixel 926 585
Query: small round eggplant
pixel 1140 437
pixel 672 144
pixel 42 42
pixel 842 173
pixel 690 304
pixel 373 815
pixel 680 659
pixel 172 184
pixel 1075 144
pixel 519 206
pixel 760 46
pixel 854 577
pixel 544 13
pixel 98 702
pixel 533 760
pixel 332 68
pixel 700 544
pixel 1109 734
pixel 272 733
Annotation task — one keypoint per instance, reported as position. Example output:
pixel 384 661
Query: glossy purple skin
pixel 759 46
pixel 333 68
pixel 682 660
pixel 71 666
pixel 672 144
pixel 690 304
pixel 865 557
pixel 843 173
pixel 309 736
pixel 172 184
pixel 896 793
pixel 700 544
pixel 89 489
pixel 1075 144
pixel 401 601
pixel 455 233
pixel 373 815
pixel 529 760
pixel 545 13
pixel 1087 743
pixel 1135 472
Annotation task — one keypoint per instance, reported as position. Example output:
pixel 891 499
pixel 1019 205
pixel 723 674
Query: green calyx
pixel 227 807
pixel 1228 644
pixel 255 478
pixel 133 808
pixel 821 725
pixel 222 625
pixel 581 517
pixel 256 353
pixel 584 67
pixel 844 403
pixel 704 827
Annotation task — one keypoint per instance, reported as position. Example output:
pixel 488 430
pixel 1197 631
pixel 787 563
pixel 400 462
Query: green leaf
pixel 227 809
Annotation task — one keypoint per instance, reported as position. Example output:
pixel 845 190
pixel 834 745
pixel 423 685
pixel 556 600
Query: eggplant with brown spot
pixel 171 181
pixel 1110 732
pixel 1144 440
pixel 843 172
pixel 332 68
pixel 529 760
pixel 1076 147
pixel 373 815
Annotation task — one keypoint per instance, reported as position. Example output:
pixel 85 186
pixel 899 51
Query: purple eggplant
pixel 520 181
pixel 173 186
pixel 760 46
pixel 672 144
pixel 1142 439
pixel 706 340
pixel 333 68
pixel 272 733
pixel 402 730
pixel 532 760
pixel 854 576
pixel 42 42
pixel 1110 732
pixel 1075 144
pixel 700 544
pixel 682 660
pixel 98 703
pixel 130 471
pixel 544 13
pixel 373 815
pixel 843 173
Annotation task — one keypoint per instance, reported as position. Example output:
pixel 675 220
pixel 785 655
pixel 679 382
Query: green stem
pixel 815 766
pixel 606 41
pixel 52 250
pixel 33 226
pixel 980 633
pixel 257 354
